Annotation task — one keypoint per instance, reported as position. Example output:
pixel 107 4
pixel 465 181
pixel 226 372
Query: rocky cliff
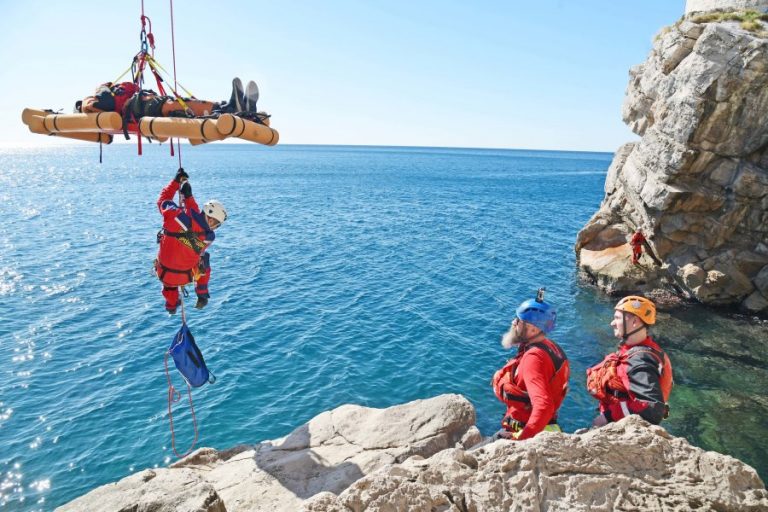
pixel 696 183
pixel 428 456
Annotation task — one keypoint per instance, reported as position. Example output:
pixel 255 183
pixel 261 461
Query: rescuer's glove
pixel 180 176
pixel 186 190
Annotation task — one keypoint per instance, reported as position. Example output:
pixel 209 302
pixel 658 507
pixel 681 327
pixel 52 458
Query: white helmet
pixel 215 209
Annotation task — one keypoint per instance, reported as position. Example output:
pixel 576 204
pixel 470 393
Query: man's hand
pixel 181 176
pixel 186 189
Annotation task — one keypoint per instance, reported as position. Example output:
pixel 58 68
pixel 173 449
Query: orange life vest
pixel 514 396
pixel 608 380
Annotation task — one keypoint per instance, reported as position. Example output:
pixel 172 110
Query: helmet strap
pixel 527 340
pixel 626 335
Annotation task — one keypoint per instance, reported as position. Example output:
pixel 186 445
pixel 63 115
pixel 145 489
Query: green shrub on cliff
pixel 750 20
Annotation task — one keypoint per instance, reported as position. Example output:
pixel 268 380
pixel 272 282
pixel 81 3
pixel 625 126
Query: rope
pixel 173 397
pixel 175 82
pixel 153 63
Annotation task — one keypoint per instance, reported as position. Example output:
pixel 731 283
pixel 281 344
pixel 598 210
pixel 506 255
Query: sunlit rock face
pixel 629 465
pixel 428 455
pixel 696 183
pixel 724 5
pixel 326 454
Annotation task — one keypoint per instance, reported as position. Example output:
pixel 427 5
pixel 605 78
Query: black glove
pixel 186 190
pixel 180 175
pixel 201 303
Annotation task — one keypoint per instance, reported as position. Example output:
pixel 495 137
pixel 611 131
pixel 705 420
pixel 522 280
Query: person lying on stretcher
pixel 125 98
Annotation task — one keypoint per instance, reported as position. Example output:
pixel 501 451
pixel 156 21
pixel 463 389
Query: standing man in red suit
pixel 533 384
pixel 637 241
pixel 187 232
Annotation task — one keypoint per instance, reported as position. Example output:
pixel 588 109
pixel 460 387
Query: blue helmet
pixel 538 313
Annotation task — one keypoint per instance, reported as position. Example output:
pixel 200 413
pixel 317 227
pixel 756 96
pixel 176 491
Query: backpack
pixel 188 358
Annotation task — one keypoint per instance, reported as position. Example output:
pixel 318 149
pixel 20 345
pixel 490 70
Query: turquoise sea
pixel 367 275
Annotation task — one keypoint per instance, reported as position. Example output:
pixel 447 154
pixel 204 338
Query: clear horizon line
pixel 71 143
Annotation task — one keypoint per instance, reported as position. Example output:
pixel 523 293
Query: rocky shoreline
pixel 428 455
pixel 696 184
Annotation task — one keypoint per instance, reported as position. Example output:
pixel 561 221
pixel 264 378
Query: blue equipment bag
pixel 188 358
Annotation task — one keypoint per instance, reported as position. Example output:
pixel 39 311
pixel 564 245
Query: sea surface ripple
pixel 367 275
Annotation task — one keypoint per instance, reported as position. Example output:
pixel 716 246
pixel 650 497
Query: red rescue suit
pixel 635 379
pixel 533 385
pixel 637 242
pixel 183 240
pixel 109 97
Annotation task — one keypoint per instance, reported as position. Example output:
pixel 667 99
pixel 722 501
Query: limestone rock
pixel 712 5
pixel 696 183
pixel 629 465
pixel 327 454
pixel 756 302
pixel 427 455
pixel 692 275
pixel 155 490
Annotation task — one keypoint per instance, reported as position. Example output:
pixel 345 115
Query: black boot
pixel 236 102
pixel 201 302
pixel 251 96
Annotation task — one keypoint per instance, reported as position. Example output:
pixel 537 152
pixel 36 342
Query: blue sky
pixel 549 74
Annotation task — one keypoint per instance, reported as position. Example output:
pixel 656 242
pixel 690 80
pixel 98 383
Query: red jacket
pixel 181 252
pixel 637 239
pixel 533 373
pixel 640 389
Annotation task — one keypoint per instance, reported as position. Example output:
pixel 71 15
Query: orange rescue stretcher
pixel 102 126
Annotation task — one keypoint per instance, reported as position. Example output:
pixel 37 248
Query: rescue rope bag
pixel 189 361
pixel 188 358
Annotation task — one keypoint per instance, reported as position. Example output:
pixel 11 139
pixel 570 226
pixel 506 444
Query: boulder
pixel 328 453
pixel 629 465
pixel 428 455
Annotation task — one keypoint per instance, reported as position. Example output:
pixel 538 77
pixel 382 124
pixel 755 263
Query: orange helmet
pixel 640 306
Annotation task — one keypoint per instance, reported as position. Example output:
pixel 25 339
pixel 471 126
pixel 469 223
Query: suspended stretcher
pixel 100 127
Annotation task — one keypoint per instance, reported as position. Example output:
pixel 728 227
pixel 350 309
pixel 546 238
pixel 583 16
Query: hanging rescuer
pixel 187 232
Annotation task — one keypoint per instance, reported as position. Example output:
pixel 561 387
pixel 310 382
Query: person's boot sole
pixel 251 96
pixel 238 98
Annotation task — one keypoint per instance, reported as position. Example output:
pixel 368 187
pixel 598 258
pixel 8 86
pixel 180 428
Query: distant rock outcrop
pixel 696 183
pixel 428 456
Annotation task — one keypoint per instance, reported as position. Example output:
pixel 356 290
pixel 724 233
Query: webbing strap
pixel 557 359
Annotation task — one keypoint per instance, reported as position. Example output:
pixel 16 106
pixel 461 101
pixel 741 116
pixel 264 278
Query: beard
pixel 510 338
